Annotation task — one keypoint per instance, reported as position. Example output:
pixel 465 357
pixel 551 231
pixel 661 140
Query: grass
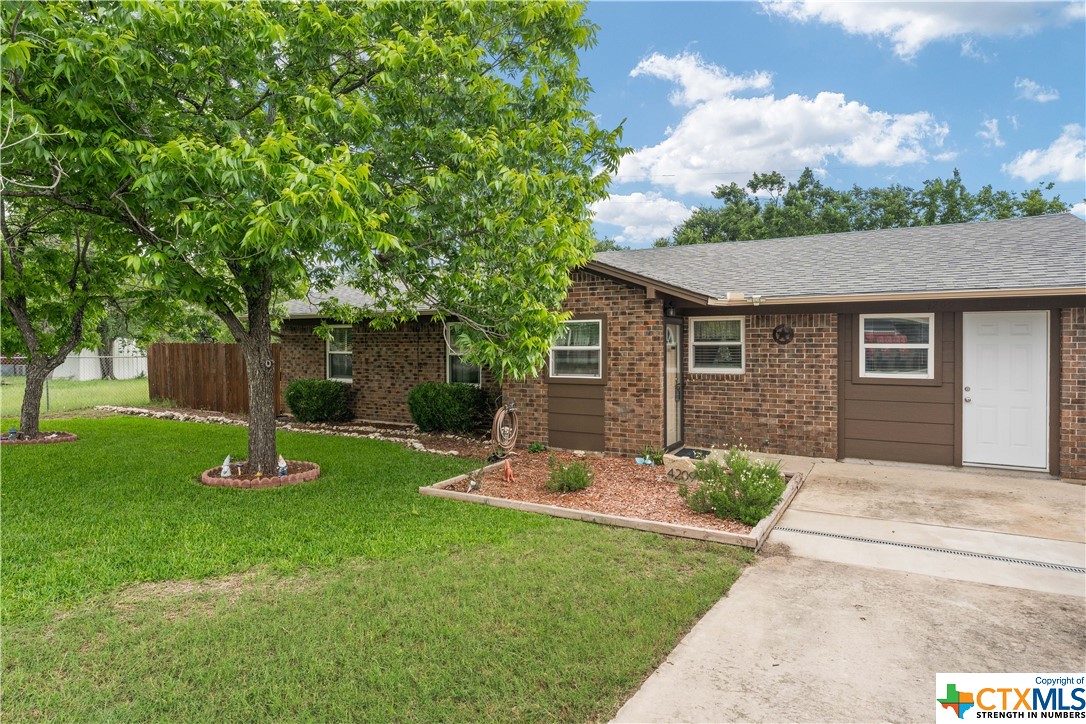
pixel 68 395
pixel 352 597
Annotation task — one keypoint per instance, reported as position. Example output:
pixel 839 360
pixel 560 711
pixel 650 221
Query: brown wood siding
pixel 575 416
pixel 907 421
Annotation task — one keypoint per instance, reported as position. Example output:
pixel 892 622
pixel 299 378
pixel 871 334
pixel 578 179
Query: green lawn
pixel 352 597
pixel 68 395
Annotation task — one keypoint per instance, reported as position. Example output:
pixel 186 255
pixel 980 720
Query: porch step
pixel 956 553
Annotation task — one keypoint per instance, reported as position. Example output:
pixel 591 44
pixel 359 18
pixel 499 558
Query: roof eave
pixel 909 296
pixel 647 283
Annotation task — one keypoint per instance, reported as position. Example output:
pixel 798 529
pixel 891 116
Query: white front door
pixel 1005 389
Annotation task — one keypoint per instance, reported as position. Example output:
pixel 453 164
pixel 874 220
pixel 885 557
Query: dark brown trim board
pixel 576 407
pixel 1055 374
pixel 887 419
pixel 959 374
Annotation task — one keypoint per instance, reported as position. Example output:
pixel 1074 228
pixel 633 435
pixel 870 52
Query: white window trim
pixel 580 348
pixel 328 353
pixel 449 354
pixel 929 345
pixel 742 343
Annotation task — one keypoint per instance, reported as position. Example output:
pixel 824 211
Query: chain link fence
pixel 82 381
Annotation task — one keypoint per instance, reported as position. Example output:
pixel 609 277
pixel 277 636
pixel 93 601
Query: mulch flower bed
pixel 619 487
pixel 297 472
pixel 42 438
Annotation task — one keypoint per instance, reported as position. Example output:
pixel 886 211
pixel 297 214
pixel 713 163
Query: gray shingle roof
pixel 309 307
pixel 1027 253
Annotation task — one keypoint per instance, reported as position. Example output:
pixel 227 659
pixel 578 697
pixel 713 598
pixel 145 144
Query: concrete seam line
pixel 933 549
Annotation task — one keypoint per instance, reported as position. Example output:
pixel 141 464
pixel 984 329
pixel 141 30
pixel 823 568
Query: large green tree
pixel 433 154
pixel 770 206
pixel 56 277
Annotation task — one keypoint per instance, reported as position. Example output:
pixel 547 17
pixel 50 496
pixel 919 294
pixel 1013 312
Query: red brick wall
pixel 1073 394
pixel 633 399
pixel 386 364
pixel 785 401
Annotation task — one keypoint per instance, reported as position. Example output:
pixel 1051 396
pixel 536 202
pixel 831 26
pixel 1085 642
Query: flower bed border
pixel 755 539
pixel 60 437
pixel 211 477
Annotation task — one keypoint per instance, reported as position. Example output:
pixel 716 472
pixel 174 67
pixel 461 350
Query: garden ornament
pixel 282 466
pixel 13 434
pixel 473 485
pixel 225 472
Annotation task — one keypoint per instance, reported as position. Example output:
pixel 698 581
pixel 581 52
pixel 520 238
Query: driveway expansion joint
pixel 935 549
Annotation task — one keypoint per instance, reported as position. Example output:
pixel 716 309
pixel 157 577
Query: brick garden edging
pixel 59 437
pixel 211 477
pixel 755 539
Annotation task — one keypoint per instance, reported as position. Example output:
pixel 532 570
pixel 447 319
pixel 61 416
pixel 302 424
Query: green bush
pixel 319 400
pixel 448 407
pixel 567 478
pixel 740 489
pixel 536 447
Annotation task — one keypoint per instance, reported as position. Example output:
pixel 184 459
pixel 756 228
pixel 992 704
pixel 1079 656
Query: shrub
pixel 536 447
pixel 447 407
pixel 741 489
pixel 567 478
pixel 319 400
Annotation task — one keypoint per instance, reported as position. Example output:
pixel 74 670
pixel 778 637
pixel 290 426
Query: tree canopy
pixel 770 206
pixel 435 155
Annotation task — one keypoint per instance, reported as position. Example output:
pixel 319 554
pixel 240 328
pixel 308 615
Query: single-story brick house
pixel 951 345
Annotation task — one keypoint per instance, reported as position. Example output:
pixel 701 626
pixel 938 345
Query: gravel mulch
pixel 619 487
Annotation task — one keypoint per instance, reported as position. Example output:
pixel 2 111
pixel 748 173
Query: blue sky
pixel 864 93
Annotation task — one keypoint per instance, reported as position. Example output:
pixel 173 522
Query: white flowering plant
pixel 740 488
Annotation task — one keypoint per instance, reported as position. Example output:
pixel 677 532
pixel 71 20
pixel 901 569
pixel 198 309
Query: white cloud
pixel 989 133
pixel 724 137
pixel 912 25
pixel 1079 209
pixel 970 50
pixel 697 80
pixel 1063 160
pixel 644 217
pixel 1034 91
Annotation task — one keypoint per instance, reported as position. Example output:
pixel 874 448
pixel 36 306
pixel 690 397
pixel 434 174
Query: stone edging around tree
pixel 52 438
pixel 211 477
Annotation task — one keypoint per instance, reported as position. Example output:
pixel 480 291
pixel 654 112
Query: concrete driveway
pixel 876 579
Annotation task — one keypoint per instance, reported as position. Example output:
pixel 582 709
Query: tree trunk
pixel 105 352
pixel 261 369
pixel 29 416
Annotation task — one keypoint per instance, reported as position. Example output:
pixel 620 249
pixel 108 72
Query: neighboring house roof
pixel 310 306
pixel 1033 255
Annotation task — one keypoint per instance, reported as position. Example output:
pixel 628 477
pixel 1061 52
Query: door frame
pixel 670 404
pixel 1052 382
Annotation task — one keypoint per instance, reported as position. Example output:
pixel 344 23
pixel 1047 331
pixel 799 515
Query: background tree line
pixel 769 207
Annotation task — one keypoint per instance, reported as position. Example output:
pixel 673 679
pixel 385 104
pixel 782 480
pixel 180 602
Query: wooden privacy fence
pixel 203 376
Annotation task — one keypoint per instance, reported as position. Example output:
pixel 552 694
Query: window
pixel 897 346
pixel 457 369
pixel 339 354
pixel 716 345
pixel 576 351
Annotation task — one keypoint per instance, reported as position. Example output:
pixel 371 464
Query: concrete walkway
pixel 904 518
pixel 876 579
pixel 811 641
